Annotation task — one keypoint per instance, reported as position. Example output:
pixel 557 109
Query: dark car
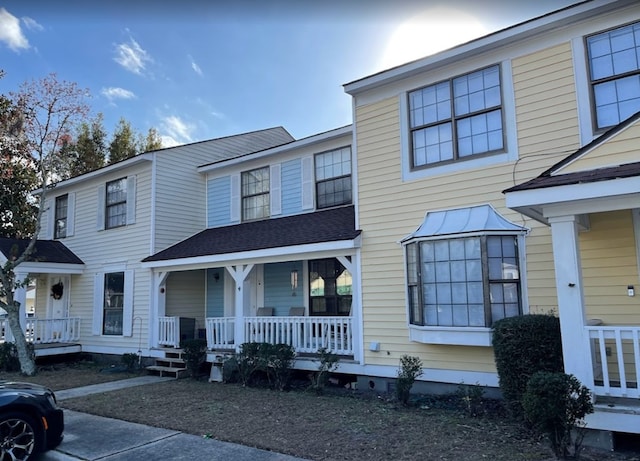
pixel 30 421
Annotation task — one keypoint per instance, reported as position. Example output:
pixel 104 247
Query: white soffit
pixel 475 219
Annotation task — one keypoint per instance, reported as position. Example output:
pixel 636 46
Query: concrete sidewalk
pixel 88 437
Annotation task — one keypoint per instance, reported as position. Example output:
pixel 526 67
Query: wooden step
pixel 167 371
pixel 171 362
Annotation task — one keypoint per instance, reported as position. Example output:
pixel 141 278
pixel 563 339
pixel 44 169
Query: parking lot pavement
pixel 90 438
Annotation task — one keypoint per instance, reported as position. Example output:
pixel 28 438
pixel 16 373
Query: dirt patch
pixel 341 425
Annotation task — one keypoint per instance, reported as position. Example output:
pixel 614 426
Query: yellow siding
pixel 609 265
pixel 389 208
pixel 621 149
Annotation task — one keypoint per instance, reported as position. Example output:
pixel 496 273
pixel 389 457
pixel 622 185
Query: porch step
pixel 171 365
pixel 168 371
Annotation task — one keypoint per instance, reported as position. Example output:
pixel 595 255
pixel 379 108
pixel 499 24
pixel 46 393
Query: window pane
pixel 453 283
pixel 611 54
pixel 113 303
pixel 255 194
pixel 60 230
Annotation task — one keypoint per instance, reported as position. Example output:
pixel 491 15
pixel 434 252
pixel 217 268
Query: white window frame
pixel 510 153
pixel 333 178
pixel 130 204
pixel 463 335
pixel 98 301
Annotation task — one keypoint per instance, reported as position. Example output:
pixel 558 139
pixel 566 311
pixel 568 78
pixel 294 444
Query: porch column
pixel 20 295
pixel 239 274
pixel 568 267
pixel 157 307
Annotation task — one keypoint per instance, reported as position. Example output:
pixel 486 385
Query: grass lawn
pixel 345 425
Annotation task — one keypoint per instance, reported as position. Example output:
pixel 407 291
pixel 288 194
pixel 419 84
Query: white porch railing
pixel 47 331
pixel 169 331
pixel 304 334
pixel 616 360
pixel 220 332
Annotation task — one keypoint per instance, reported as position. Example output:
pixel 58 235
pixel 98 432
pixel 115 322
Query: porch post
pixel 20 295
pixel 568 267
pixel 157 307
pixel 239 274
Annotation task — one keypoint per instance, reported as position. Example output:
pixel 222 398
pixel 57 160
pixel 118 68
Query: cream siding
pixel 389 208
pixel 119 247
pixel 180 196
pixel 185 295
pixel 621 149
pixel 609 265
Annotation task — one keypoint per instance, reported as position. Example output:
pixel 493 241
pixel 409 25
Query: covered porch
pixel 45 301
pixel 594 216
pixel 296 284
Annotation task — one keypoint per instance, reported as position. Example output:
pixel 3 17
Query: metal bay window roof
pixel 480 219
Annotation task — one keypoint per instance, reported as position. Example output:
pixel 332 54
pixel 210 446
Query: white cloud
pixel 195 67
pixel 168 141
pixel 112 93
pixel 10 32
pixel 132 57
pixel 177 130
pixel 32 24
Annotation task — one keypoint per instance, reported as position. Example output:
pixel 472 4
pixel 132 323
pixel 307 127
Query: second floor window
pixel 61 213
pixel 116 203
pixel 255 194
pixel 333 178
pixel 457 118
pixel 614 67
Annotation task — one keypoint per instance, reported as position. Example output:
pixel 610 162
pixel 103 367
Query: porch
pixel 615 352
pixel 305 334
pixel 45 331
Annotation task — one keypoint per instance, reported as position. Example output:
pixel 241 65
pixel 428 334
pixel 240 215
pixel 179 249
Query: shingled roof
pixel 46 251
pixel 321 226
pixel 548 179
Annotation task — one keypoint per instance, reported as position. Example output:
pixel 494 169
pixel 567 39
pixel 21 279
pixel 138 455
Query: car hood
pixel 28 388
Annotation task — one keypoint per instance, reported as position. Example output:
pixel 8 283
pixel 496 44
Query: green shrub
pixel 230 370
pixel 523 346
pixel 279 362
pixel 9 356
pixel 556 404
pixel 249 362
pixel 130 361
pixel 194 352
pixel 410 369
pixel 328 363
pixel 470 399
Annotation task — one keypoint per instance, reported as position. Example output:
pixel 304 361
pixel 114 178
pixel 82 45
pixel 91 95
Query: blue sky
pixel 198 70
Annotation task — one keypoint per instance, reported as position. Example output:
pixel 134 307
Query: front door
pixel 58 297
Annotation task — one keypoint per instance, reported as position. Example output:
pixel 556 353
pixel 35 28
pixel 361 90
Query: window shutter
pixel 275 190
pixel 98 297
pixel 101 207
pixel 71 214
pixel 307 183
pixel 127 310
pixel 235 198
pixel 50 217
pixel 131 200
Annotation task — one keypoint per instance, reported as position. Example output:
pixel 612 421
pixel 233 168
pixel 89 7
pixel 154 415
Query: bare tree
pixel 48 109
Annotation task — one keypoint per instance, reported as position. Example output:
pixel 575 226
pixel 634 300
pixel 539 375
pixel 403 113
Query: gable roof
pixel 45 251
pixel 548 179
pixel 330 225
pixel 217 149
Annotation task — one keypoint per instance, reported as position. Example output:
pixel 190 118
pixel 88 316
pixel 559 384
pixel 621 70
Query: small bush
pixel 249 362
pixel 194 352
pixel 9 356
pixel 410 369
pixel 130 361
pixel 279 362
pixel 556 404
pixel 471 399
pixel 328 363
pixel 523 346
pixel 230 370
